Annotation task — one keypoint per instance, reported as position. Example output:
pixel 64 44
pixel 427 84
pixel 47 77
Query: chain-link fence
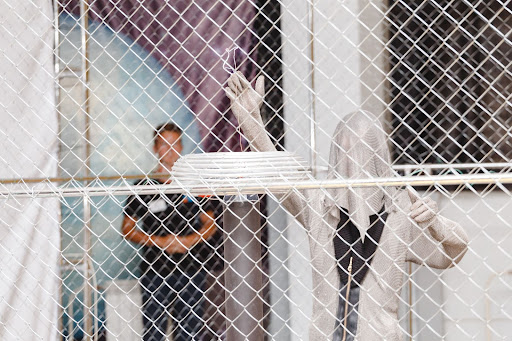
pixel 132 208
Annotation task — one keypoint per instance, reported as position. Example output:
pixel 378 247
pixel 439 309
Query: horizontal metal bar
pixel 441 166
pixel 250 188
pixel 83 178
pixel 70 74
pixel 454 166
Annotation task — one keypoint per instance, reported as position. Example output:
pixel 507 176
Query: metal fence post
pixel 243 275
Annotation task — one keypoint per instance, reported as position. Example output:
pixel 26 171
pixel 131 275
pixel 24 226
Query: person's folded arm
pixel 169 243
pixel 208 229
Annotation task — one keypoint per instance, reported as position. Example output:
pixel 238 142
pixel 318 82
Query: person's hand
pixel 245 101
pixel 171 244
pixel 423 210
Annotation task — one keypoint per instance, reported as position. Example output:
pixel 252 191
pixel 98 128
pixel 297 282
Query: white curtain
pixel 29 227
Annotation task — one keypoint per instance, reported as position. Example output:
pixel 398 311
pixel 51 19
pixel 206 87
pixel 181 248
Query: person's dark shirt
pixel 164 214
pixel 348 244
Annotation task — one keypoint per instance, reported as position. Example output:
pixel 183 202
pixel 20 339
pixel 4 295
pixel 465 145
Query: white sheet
pixel 29 228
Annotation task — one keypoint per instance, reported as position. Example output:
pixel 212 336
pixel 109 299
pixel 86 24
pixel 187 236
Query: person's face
pixel 168 147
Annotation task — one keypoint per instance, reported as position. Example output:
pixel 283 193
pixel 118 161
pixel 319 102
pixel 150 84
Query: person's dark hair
pixel 166 127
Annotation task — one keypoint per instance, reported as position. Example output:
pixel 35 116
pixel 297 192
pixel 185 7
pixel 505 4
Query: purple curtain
pixel 188 38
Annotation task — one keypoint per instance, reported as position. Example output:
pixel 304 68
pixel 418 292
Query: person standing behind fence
pixel 172 227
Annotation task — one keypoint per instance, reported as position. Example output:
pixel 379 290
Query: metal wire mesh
pixel 99 243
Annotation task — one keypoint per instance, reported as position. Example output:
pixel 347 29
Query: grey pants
pixel 352 315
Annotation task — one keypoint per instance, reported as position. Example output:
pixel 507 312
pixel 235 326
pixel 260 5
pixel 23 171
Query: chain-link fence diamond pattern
pixel 101 240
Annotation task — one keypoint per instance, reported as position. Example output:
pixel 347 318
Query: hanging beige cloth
pixel 413 232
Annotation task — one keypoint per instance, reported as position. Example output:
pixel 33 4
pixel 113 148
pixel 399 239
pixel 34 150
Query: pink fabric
pixel 188 38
